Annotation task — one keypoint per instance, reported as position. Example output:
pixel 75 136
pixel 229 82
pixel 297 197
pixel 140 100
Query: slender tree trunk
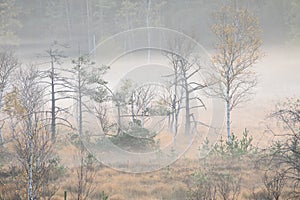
pixel 1 135
pixel 176 126
pixel 177 110
pixel 187 104
pixel 88 24
pixel 143 116
pixel 228 121
pixel 169 122
pixel 174 106
pixel 80 112
pixel 173 113
pixel 80 176
pixel 53 113
pixel 228 105
pixel 148 31
pixel 187 112
pixel 67 6
pixel 132 111
pixel 79 101
pixel 30 181
pixel 119 118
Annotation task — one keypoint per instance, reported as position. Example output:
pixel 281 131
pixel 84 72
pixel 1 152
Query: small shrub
pixel 137 139
pixel 236 147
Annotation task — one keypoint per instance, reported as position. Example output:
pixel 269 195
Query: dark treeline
pixel 86 23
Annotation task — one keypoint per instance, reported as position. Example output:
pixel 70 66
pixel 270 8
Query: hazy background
pixel 32 25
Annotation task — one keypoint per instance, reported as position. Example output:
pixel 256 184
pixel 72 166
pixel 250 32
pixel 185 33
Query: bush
pixel 137 139
pixel 236 147
pixel 213 184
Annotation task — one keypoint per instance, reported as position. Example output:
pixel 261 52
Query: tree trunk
pixel 173 113
pixel 187 104
pixel 148 31
pixel 79 102
pixel 119 118
pixel 228 105
pixel 169 122
pixel 187 111
pixel 88 24
pixel 176 126
pixel 67 6
pixel 228 121
pixel 143 116
pixel 80 177
pixel 1 135
pixel 132 111
pixel 30 181
pixel 174 108
pixel 53 113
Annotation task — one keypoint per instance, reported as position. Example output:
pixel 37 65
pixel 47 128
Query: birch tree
pixel 8 63
pixel 237 49
pixel 32 140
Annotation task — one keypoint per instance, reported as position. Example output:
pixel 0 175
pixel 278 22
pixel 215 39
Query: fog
pixel 90 89
pixel 84 24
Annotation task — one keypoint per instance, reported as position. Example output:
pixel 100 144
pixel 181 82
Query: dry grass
pixel 170 183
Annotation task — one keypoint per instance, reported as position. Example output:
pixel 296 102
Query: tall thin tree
pixel 237 49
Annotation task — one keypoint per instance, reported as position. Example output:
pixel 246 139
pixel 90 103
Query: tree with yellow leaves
pixel 38 164
pixel 237 49
pixel 8 63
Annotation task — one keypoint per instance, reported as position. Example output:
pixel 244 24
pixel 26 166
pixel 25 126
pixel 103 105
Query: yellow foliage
pixel 13 105
pixel 238 41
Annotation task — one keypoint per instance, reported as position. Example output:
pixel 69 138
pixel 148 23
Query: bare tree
pixel 102 115
pixel 56 84
pixel 286 154
pixel 228 186
pixel 141 101
pixel 185 67
pixel 274 183
pixel 121 99
pixel 8 63
pixel 237 50
pixel 85 174
pixel 177 92
pixel 32 140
